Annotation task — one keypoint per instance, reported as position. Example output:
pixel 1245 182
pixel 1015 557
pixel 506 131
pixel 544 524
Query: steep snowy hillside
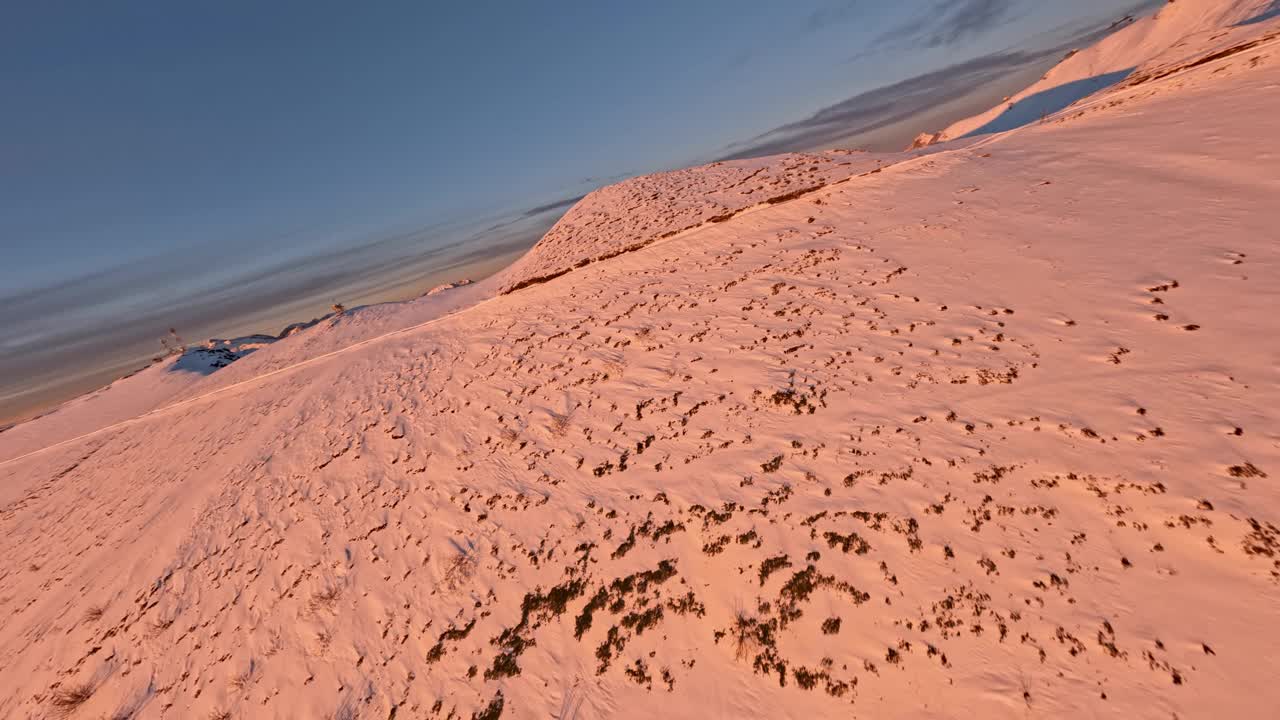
pixel 993 432
pixel 1180 32
pixel 632 214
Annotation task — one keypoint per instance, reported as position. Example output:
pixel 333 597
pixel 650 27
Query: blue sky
pixel 154 153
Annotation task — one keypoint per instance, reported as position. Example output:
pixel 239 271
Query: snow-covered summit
pixel 634 213
pixel 1181 32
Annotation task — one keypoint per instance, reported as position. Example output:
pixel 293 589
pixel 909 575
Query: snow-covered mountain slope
pixel 990 433
pixel 135 394
pixel 207 369
pixel 632 214
pixel 1180 32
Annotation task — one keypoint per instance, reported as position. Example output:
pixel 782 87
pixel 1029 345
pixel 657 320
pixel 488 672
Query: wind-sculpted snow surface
pixel 632 214
pixel 990 433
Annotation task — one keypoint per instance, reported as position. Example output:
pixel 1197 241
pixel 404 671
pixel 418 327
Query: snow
pixel 632 214
pixel 448 286
pixel 216 354
pixel 1178 32
pixel 1014 403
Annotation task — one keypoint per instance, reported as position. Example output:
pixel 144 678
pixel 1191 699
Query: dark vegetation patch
pixel 772 565
pixel 536 609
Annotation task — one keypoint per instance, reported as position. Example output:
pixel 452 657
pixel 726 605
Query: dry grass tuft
pixel 325 598
pixel 459 570
pixel 324 639
pixel 65 700
pixel 275 643
pixel 1247 470
pixel 559 423
pixel 242 681
pixel 746 642
pixel 159 626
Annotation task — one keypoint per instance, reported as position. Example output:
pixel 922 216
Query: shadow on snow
pixel 1046 102
pixel 1272 11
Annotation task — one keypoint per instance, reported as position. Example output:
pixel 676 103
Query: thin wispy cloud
pixel 897 104
pixel 883 106
pixel 949 22
pixel 834 14
pixel 939 24
pixel 562 204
